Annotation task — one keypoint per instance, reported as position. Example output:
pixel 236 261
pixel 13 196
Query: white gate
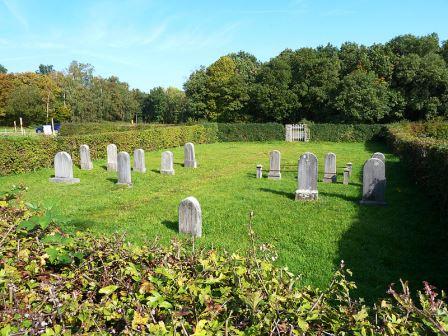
pixel 297 132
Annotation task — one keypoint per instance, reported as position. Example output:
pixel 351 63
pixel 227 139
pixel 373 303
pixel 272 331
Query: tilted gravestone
pixel 111 157
pixel 124 169
pixel 330 168
pixel 139 161
pixel 190 217
pixel 84 158
pixel 259 171
pixel 63 169
pixel 346 176
pixel 274 165
pixel 380 156
pixel 167 163
pixel 189 156
pixel 373 182
pixel 307 177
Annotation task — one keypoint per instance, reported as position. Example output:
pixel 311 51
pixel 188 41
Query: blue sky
pixel 152 43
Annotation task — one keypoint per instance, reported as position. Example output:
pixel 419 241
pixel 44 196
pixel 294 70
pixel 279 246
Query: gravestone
pixel 274 165
pixel 111 157
pixel 307 177
pixel 84 158
pixel 139 161
pixel 189 156
pixel 330 168
pixel 124 169
pixel 380 156
pixel 373 182
pixel 167 163
pixel 346 176
pixel 350 168
pixel 259 171
pixel 190 217
pixel 63 169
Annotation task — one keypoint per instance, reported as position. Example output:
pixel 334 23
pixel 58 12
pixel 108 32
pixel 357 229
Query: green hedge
pixel 69 129
pixel 250 132
pixel 28 154
pixel 426 158
pixel 345 132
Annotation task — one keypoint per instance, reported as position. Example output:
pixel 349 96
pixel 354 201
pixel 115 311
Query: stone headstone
pixel 307 177
pixel 330 168
pixel 274 165
pixel 190 217
pixel 111 157
pixel 350 168
pixel 259 171
pixel 380 156
pixel 189 156
pixel 63 169
pixel 346 176
pixel 167 163
pixel 84 158
pixel 373 182
pixel 124 168
pixel 139 161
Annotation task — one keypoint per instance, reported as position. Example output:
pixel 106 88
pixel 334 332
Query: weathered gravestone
pixel 189 156
pixel 259 171
pixel 274 165
pixel 111 157
pixel 139 161
pixel 380 156
pixel 124 169
pixel 373 182
pixel 330 168
pixel 190 217
pixel 350 168
pixel 84 158
pixel 167 163
pixel 307 177
pixel 63 169
pixel 346 176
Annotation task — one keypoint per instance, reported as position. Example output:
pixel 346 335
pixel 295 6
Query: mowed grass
pixel 380 244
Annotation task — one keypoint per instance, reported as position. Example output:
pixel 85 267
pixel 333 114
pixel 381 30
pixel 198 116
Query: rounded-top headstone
pixel 373 182
pixel 380 156
pixel 63 169
pixel 189 156
pixel 330 168
pixel 139 161
pixel 190 217
pixel 167 163
pixel 84 158
pixel 307 177
pixel 112 157
pixel 124 168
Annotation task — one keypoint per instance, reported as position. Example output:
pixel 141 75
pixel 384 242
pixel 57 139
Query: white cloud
pixel 15 12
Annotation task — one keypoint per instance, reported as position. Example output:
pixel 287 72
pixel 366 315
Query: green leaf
pixel 108 289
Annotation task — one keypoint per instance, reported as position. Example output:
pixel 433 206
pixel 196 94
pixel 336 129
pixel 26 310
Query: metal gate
pixel 297 132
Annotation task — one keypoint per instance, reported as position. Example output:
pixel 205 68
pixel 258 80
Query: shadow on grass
pixel 289 195
pixel 172 225
pixel 114 180
pixel 104 167
pixel 341 196
pixel 403 240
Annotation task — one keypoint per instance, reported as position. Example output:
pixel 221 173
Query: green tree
pixel 26 102
pixel 409 44
pixel 45 69
pixel 3 70
pixel 363 97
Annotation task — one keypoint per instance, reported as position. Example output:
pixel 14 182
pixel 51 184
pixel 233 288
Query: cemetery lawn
pixel 379 244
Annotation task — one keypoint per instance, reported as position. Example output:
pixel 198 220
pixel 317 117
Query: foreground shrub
pixel 55 283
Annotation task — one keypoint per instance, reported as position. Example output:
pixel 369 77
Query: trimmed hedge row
pixel 249 132
pixel 427 158
pixel 345 132
pixel 70 129
pixel 28 154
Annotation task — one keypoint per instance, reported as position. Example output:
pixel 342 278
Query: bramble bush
pixel 54 283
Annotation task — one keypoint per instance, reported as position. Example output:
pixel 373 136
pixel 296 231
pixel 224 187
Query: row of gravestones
pixel 119 162
pixel 374 177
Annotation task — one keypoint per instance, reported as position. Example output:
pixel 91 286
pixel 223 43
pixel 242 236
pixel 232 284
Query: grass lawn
pixel 380 244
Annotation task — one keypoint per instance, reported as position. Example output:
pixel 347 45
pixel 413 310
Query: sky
pixel 160 42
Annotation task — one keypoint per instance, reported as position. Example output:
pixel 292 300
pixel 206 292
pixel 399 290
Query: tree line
pixel 405 78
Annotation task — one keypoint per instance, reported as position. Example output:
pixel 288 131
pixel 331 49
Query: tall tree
pixel 3 70
pixel 45 69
